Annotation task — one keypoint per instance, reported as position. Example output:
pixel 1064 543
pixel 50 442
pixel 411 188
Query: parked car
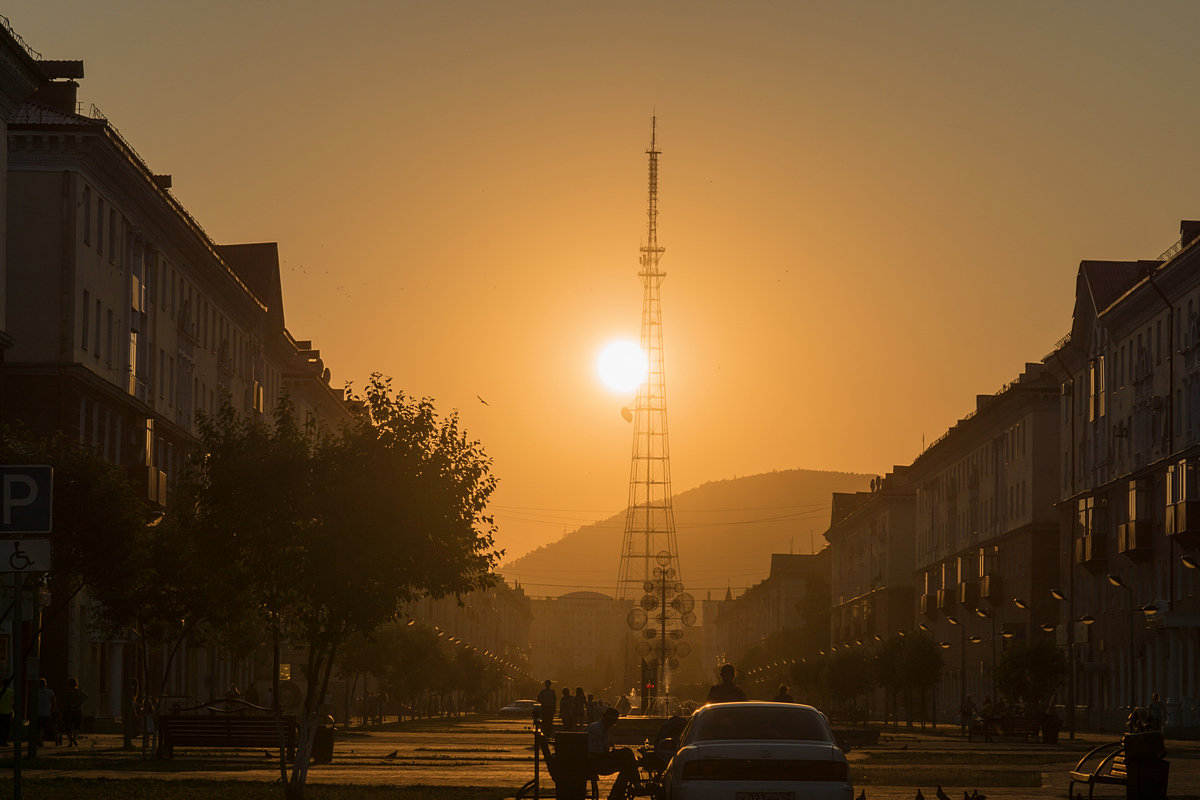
pixel 519 708
pixel 781 751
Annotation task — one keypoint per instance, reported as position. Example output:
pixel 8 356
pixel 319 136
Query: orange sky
pixel 872 211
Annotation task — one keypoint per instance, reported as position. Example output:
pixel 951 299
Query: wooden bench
pixel 228 724
pixel 1102 764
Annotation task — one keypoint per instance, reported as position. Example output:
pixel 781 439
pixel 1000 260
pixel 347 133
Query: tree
pixel 849 676
pixel 333 535
pixel 1030 673
pixel 890 673
pixel 922 669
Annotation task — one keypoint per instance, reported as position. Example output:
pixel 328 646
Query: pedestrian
pixel 72 714
pixel 566 710
pixel 581 709
pixel 47 707
pixel 726 691
pixel 1157 715
pixel 783 696
pixel 967 712
pixel 547 699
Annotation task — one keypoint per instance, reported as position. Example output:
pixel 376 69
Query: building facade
pixel 1130 447
pixel 123 322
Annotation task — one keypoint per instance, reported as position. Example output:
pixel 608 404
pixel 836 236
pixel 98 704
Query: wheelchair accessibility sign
pixel 24 555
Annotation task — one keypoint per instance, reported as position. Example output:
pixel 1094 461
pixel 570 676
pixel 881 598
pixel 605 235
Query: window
pixel 87 215
pixel 112 235
pixel 1158 342
pixel 108 340
pixel 1097 385
pixel 96 338
pixel 100 226
pixel 87 313
pixel 162 373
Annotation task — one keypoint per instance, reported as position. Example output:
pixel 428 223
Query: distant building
pixel 871 545
pixel 792 602
pixel 986 531
pixel 581 639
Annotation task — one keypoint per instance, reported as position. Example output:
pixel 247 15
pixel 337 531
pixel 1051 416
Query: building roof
pixel 34 114
pixel 1106 281
pixel 257 265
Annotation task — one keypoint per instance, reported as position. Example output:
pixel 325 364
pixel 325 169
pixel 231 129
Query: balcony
pixel 945 599
pixel 1089 551
pixel 968 594
pixel 1182 521
pixel 149 483
pixel 1133 538
pixel 991 587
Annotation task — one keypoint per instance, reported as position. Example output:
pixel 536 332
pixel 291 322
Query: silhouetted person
pixel 547 699
pixel 783 696
pixel 967 711
pixel 726 691
pixel 604 760
pixel 1157 713
pixel 72 710
pixel 580 700
pixel 566 711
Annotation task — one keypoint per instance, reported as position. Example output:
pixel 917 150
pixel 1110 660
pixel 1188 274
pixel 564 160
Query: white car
pixel 758 751
pixel 520 708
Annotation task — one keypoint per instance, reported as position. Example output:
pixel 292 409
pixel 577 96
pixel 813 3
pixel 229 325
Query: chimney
pixel 58 94
pixel 1189 231
pixel 163 181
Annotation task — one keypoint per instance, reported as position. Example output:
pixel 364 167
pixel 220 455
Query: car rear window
pixel 761 722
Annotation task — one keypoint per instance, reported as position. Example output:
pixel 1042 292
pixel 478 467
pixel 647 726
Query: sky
pixel 872 211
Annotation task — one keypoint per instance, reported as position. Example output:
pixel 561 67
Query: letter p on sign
pixel 26 495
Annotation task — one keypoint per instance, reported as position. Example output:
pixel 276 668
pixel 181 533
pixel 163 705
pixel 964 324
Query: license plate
pixel 766 796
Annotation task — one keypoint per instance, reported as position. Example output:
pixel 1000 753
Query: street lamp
pixel 1120 584
pixel 962 666
pixel 991 615
pixel 1062 598
pixel 1190 562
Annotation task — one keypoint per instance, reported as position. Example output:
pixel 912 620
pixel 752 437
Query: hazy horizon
pixel 872 211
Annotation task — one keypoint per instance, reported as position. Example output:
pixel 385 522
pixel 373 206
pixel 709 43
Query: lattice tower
pixel 649 572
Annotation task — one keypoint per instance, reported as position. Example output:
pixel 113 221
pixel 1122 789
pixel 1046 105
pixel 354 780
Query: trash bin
pixel 1146 769
pixel 571 755
pixel 322 746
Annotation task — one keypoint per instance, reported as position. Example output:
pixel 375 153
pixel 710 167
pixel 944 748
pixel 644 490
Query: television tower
pixel 649 573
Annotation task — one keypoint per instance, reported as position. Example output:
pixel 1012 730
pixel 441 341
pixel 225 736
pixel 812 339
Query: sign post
pixel 26 504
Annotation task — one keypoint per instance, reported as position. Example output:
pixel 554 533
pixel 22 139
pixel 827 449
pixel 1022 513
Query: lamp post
pixel 992 616
pixel 1062 598
pixel 962 665
pixel 1120 584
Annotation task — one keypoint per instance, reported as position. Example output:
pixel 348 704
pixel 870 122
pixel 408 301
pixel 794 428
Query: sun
pixel 622 366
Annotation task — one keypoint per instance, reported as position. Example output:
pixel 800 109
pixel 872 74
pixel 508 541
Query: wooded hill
pixel 726 531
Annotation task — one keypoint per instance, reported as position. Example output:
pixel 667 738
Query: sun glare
pixel 622 366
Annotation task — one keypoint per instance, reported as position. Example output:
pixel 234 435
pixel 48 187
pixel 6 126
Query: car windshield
pixel 757 722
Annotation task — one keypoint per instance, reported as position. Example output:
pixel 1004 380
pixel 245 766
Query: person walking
pixel 47 707
pixel 72 713
pixel 726 691
pixel 566 710
pixel 547 699
pixel 581 710
pixel 967 712
pixel 783 696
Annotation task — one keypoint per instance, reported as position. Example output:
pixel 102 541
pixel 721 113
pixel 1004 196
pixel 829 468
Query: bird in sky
pixel 480 399
pixel 392 754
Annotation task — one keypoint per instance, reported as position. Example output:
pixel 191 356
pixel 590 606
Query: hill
pixel 726 531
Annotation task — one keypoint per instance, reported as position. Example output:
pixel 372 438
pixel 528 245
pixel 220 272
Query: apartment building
pixel 1130 447
pixel 871 547
pixel 124 320
pixel 986 531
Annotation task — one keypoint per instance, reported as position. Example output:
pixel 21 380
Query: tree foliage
pixel 1030 673
pixel 330 536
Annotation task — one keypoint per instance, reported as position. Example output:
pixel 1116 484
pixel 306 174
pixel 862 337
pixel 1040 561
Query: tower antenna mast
pixel 649 572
